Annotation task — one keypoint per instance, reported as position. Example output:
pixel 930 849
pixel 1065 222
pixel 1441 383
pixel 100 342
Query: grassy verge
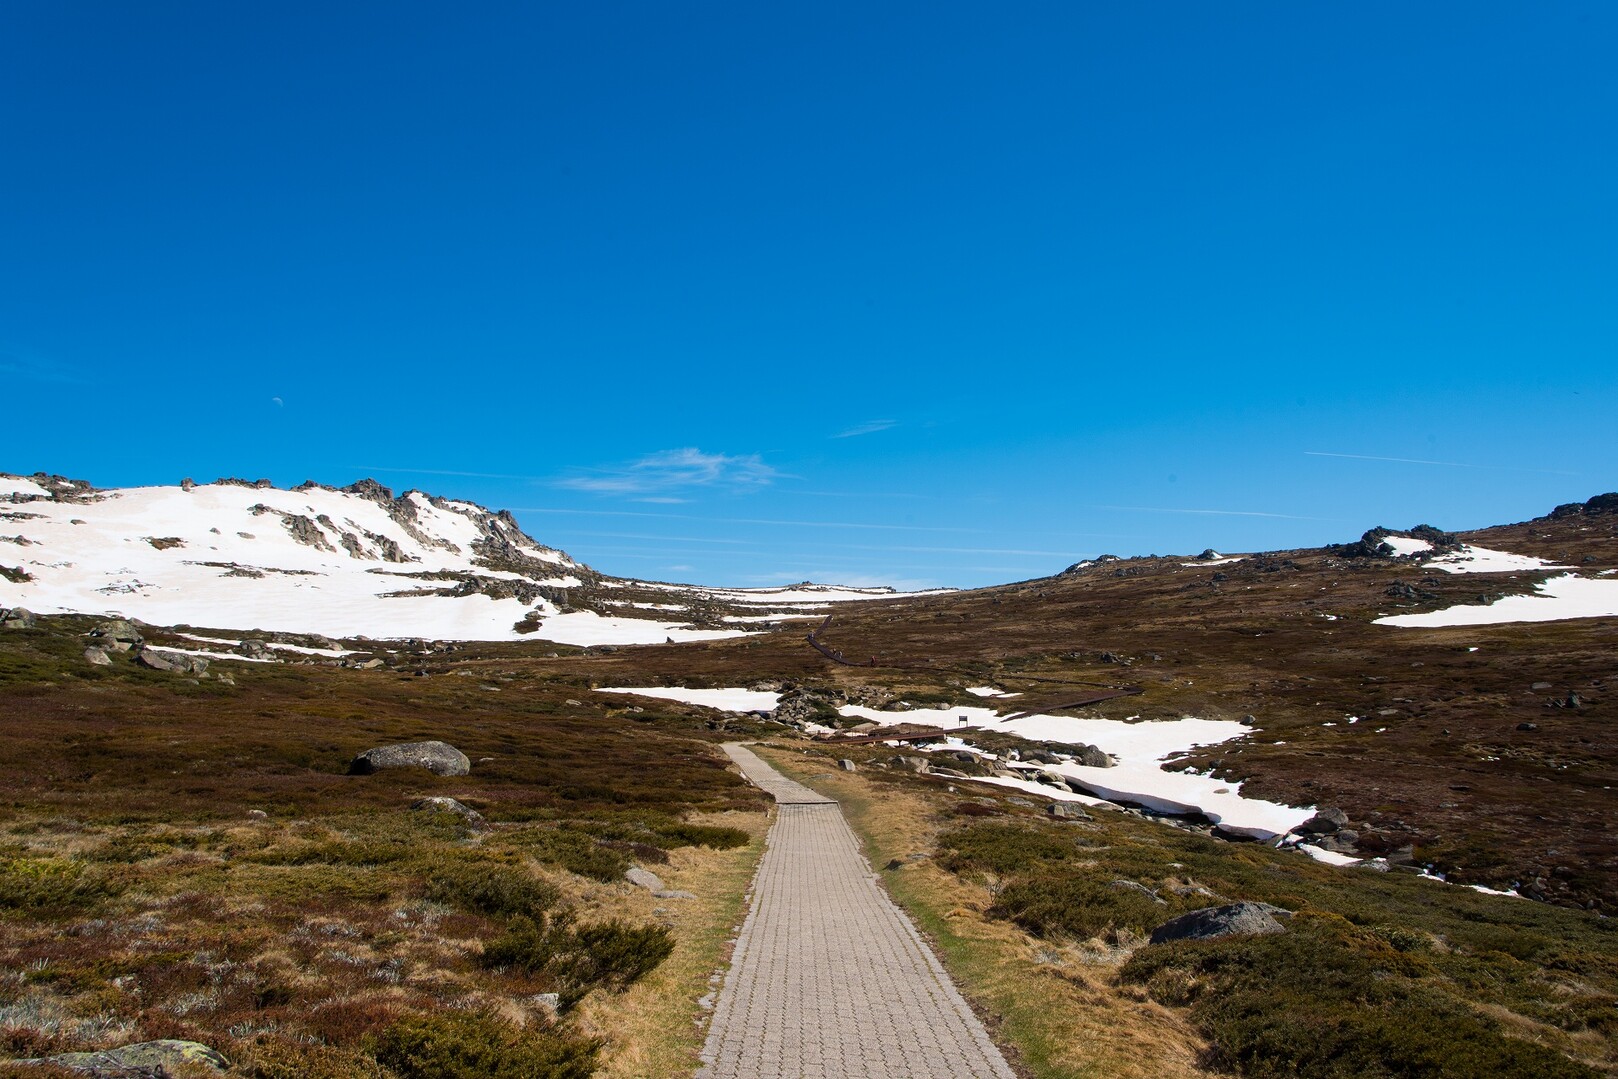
pixel 655 1030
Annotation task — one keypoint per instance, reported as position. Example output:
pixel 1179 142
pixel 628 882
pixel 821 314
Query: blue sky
pixel 743 293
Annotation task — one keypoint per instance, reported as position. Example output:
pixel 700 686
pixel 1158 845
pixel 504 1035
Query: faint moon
pixel 279 403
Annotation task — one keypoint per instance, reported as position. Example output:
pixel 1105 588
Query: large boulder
pixel 156 1058
pixel 1212 923
pixel 439 758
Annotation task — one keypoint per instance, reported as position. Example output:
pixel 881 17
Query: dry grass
pixel 656 1029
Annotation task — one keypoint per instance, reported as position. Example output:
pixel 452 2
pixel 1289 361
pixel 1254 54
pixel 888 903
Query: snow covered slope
pixel 343 562
pixel 347 562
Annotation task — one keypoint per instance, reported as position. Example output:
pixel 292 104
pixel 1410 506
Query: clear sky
pixel 899 292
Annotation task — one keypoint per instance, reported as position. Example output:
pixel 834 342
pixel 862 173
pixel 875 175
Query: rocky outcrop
pixel 1212 923
pixel 1373 544
pixel 1595 507
pixel 17 618
pixel 439 758
pixel 306 532
pixel 1327 821
pixel 117 635
pixel 174 662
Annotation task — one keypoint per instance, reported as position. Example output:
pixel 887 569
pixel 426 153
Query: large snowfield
pixel 224 557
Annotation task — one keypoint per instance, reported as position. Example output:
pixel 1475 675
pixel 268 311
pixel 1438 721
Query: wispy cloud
pixel 866 494
pixel 953 550
pixel 673 470
pixel 869 427
pixel 1443 464
pixel 746 520
pixel 1212 513
pixel 660 537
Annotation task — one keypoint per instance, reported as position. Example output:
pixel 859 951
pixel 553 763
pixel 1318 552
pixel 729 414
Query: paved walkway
pixel 829 979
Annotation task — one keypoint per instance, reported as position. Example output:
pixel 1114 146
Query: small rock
pixel 667 893
pixel 257 814
pixel 1213 923
pixel 439 758
pixel 551 1002
pixel 1138 888
pixel 846 765
pixel 1537 686
pixel 1066 811
pixel 571 703
pixel 1528 726
pixel 98 657
pixel 643 878
pixel 440 804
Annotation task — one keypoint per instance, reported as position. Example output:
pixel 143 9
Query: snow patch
pixel 1407 545
pixel 1482 560
pixel 1567 596
pixel 17 485
pixel 726 700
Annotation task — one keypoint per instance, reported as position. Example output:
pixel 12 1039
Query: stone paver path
pixel 829 979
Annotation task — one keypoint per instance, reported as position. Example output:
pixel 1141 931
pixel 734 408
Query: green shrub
pixel 284 1060
pixel 716 837
pixel 611 954
pixel 51 885
pixel 1004 848
pixel 575 852
pixel 490 886
pixel 1328 1001
pixel 1077 906
pixel 479 1045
